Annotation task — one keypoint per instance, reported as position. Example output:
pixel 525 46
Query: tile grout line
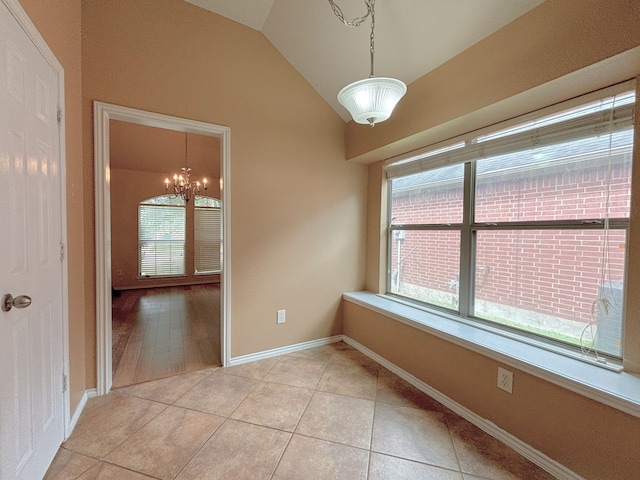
pixel 226 418
pixel 455 449
pixel 197 450
pixel 332 360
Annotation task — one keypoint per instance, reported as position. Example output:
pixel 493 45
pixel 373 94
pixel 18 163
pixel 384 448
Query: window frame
pixel 468 229
pixel 165 202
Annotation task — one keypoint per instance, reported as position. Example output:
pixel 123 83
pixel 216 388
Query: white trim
pixel 252 357
pixel 225 276
pixel 65 260
pixel 102 113
pixel 88 394
pixel 620 390
pixel 548 464
pixel 32 32
pixel 195 281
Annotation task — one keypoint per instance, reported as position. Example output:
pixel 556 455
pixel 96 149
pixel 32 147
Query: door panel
pixel 16 176
pixel 31 353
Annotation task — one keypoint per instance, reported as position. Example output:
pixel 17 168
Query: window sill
pixel 159 277
pixel 617 389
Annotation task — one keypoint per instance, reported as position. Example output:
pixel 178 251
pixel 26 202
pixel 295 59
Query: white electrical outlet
pixel 281 316
pixel 505 380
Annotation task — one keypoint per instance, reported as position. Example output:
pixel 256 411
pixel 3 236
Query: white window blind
pixel 207 235
pixel 607 111
pixel 161 238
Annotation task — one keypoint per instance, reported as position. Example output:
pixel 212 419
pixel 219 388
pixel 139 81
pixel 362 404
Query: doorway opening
pixel 163 331
pixel 111 271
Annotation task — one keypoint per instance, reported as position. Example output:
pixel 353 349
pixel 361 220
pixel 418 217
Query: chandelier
pixel 371 100
pixel 182 184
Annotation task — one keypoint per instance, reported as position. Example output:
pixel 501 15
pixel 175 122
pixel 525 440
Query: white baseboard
pixel 91 393
pixel 252 357
pixel 159 284
pixel 554 468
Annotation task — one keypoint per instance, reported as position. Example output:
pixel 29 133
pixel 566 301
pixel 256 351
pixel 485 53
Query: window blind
pixel 161 240
pixel 207 236
pixel 611 110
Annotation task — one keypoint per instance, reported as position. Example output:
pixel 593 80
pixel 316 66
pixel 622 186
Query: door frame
pixel 39 42
pixel 102 114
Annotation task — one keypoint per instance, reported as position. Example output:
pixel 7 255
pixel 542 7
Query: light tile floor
pixel 323 413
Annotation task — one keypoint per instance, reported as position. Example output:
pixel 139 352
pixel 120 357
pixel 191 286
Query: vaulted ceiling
pixel 412 37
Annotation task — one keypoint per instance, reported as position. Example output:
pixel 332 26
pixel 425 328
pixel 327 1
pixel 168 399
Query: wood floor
pixel 164 331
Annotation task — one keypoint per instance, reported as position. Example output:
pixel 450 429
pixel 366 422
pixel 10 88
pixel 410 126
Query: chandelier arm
pixel 356 22
pixel 182 184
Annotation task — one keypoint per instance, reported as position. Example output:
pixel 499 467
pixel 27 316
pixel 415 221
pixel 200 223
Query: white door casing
pixel 102 114
pixel 33 340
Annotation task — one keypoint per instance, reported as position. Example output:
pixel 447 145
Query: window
pixel 525 228
pixel 207 235
pixel 161 236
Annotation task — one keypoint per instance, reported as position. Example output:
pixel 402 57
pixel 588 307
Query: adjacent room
pixel 165 253
pixel 225 257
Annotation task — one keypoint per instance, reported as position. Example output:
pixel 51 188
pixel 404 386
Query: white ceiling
pixel 412 37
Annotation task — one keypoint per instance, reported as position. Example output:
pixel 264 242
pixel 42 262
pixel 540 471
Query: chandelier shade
pixel 372 100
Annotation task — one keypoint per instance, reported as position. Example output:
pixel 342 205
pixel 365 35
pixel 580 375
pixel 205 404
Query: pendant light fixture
pixel 182 184
pixel 371 100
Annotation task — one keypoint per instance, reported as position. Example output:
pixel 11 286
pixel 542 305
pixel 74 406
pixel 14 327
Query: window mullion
pixel 465 284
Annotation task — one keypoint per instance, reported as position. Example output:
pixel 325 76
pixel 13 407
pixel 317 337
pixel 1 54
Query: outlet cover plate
pixel 281 316
pixel 505 380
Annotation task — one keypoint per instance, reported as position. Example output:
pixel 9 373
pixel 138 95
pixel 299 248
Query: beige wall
pixel 297 208
pixel 558 42
pixel 291 188
pixel 152 149
pixel 58 21
pixel 376 266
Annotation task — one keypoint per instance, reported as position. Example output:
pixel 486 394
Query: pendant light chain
pixel 356 22
pixel 373 25
pixel 186 156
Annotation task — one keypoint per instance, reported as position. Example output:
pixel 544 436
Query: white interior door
pixel 31 338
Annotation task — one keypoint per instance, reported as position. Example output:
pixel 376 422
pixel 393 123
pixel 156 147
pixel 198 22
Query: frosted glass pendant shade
pixel 372 100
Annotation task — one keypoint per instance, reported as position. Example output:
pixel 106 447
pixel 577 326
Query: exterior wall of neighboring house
pixel 508 271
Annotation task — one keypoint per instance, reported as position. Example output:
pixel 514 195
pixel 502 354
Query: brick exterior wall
pixel 551 272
